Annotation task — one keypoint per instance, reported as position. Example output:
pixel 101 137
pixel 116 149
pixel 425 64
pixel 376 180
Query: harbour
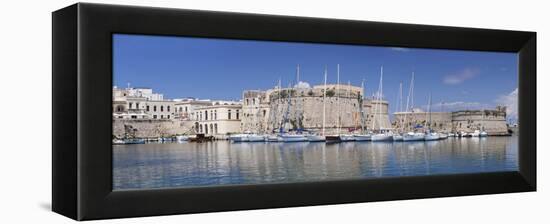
pixel 192 164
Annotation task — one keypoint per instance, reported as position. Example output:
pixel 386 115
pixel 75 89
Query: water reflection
pixel 223 163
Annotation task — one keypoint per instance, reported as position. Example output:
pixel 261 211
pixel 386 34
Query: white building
pixel 185 109
pixel 220 119
pixel 141 103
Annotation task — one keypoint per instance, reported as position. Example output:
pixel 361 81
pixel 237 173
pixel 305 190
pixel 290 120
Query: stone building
pixel 302 108
pixel 420 120
pixel 219 120
pixel 185 108
pixel 140 103
pixel 492 121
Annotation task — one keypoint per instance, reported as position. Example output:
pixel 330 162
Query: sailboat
pixel 275 117
pixel 411 135
pixel 483 133
pixel 399 136
pixel 336 138
pixel 347 137
pixel 321 138
pixel 381 136
pixel 340 137
pixel 431 135
pixel 362 136
pixel 291 137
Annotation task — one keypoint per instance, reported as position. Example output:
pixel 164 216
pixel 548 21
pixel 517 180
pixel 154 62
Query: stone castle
pixel 492 121
pixel 302 108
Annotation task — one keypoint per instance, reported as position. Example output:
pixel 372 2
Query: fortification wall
pixel 492 121
pixel 440 121
pixel 151 128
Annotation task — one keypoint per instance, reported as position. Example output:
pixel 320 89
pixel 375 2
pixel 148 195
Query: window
pixel 237 114
pixel 161 116
pixel 185 109
pixel 155 108
pixel 229 114
pixel 137 105
pixel 168 108
pixel 205 115
pixel 205 128
pixel 200 116
pixel 215 115
pixel 211 114
pixel 211 128
pixel 161 108
pixel 129 105
pixel 134 117
pixel 215 128
pixel 168 117
pixel 253 101
pixel 264 113
pixel 147 108
pixel 247 103
pixel 200 128
pixel 155 116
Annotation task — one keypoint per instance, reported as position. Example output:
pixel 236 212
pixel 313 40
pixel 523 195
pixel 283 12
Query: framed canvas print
pixel 168 111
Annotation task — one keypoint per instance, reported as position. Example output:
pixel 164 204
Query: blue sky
pixel 220 69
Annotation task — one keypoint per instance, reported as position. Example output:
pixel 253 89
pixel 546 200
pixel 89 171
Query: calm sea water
pixel 171 165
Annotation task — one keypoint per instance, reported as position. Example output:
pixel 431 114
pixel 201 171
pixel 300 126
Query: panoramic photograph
pixel 197 112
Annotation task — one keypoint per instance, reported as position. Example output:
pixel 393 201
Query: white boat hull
pixel 239 138
pixel 362 138
pixel 397 138
pixel 381 137
pixel 316 138
pixel 182 138
pixel 431 137
pixel 293 138
pixel 256 138
pixel 347 138
pixel 413 137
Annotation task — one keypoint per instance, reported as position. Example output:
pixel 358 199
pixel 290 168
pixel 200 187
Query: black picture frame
pixel 82 113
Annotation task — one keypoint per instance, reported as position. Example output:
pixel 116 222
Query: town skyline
pixel 223 69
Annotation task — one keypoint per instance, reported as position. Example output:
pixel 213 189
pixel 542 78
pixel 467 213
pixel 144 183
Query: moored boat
pixel 293 138
pixel 274 138
pixel 362 137
pixel 483 134
pixel 431 136
pixel 316 138
pixel 443 136
pixel 239 138
pixel 333 139
pixel 255 138
pixel 347 138
pixel 382 137
pixel 128 141
pixel 397 138
pixel 182 138
pixel 413 136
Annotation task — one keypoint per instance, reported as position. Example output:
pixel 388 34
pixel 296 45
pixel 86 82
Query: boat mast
pixel 429 112
pixel 378 98
pixel 297 114
pixel 338 97
pixel 409 98
pixel 361 107
pixel 324 98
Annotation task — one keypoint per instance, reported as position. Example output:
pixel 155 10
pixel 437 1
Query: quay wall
pixel 151 128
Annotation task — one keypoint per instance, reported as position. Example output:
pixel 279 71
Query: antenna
pixel 297 74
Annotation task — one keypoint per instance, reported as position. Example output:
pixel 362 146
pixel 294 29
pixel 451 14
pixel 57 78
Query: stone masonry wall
pixel 150 128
